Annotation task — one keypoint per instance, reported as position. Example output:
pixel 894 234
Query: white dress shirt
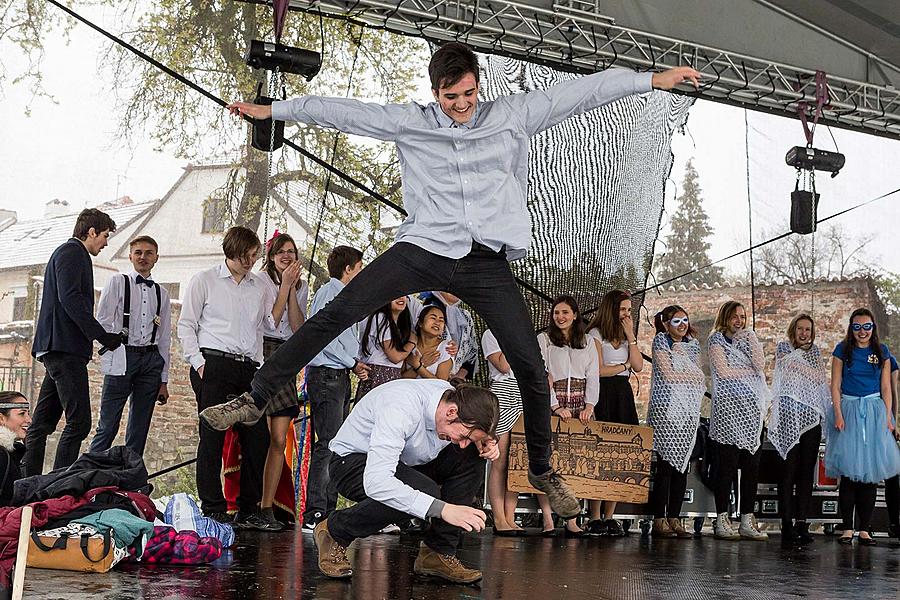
pixel 224 315
pixel 395 424
pixel 142 314
pixel 283 330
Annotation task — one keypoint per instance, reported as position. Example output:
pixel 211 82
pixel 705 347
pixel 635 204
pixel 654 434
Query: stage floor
pixel 272 566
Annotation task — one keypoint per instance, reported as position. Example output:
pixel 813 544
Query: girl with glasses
pixel 612 330
pixel 800 398
pixel 677 385
pixel 740 399
pixel 572 368
pixel 861 449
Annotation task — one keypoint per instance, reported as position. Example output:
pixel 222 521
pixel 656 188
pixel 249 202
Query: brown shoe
pixel 678 527
pixel 661 528
pixel 562 500
pixel 333 561
pixel 429 562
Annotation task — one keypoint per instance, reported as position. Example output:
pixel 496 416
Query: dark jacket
pixel 66 322
pixel 119 466
pixel 11 453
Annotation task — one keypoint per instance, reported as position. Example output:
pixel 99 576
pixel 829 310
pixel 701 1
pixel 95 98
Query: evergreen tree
pixel 686 246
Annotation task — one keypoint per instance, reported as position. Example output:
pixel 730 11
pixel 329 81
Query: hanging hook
pixel 537 20
pixel 422 28
pixel 652 55
pixel 498 39
pixel 772 91
pixel 746 82
pixel 613 46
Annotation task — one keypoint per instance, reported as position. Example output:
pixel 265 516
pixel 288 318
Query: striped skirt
pixel 507 392
pixel 286 396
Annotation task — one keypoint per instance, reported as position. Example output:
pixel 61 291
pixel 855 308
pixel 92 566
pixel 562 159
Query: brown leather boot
pixel 333 561
pixel 429 562
pixel 678 527
pixel 661 528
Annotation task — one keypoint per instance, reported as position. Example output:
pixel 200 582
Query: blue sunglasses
pixel 863 326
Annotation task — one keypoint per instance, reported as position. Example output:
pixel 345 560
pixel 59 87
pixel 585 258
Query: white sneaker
pixel 391 529
pixel 722 528
pixel 749 529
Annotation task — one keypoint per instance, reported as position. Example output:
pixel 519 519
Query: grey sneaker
pixel 722 528
pixel 562 500
pixel 240 409
pixel 749 529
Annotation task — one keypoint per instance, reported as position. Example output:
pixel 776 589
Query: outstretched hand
pixel 672 77
pixel 254 111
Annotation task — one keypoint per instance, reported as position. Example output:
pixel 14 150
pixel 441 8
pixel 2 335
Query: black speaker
pixel 803 211
pixel 262 128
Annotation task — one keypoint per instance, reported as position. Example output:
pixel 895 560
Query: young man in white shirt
pixel 465 176
pixel 221 333
pixel 137 307
pixel 413 447
pixel 328 386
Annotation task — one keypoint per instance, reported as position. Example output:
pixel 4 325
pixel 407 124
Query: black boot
pixel 789 537
pixel 801 528
pixel 894 531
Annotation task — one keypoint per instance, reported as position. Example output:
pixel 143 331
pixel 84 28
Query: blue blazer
pixel 66 322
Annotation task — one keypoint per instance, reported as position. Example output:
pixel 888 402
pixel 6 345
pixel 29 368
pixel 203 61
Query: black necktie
pixel 140 280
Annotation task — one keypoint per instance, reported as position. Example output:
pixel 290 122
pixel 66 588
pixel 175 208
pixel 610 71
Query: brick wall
pixel 829 303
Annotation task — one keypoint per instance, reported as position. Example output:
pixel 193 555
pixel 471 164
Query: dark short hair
pixel 12 396
pixel 477 407
pixel 450 63
pixel 239 241
pixel 340 258
pixel 91 217
pixel 144 239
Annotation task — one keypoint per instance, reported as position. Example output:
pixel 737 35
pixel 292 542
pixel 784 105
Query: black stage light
pixel 297 61
pixel 262 128
pixel 813 159
pixel 804 205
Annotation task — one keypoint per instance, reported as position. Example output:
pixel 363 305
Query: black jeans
pixel 858 495
pixel 799 468
pixel 64 390
pixel 140 384
pixel 223 377
pixel 669 485
pixel 329 399
pixel 482 278
pixel 892 499
pixel 728 460
pixel 453 477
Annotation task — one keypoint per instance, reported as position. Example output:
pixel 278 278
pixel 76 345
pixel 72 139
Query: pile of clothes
pixel 97 512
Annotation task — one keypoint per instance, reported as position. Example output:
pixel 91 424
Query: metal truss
pixel 570 35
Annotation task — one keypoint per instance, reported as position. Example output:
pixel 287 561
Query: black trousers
pixel 223 377
pixel 799 469
pixel 729 459
pixel 64 390
pixel 453 477
pixel 669 485
pixel 482 278
pixel 860 496
pixel 892 499
pixel 329 399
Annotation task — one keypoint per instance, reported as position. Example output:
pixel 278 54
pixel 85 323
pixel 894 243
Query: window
pixel 214 215
pixel 20 306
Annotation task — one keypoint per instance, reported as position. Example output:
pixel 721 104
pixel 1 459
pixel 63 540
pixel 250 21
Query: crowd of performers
pixel 415 445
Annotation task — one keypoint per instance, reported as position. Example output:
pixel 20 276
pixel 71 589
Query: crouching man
pixel 412 447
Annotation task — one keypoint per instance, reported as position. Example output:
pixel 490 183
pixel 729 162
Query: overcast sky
pixel 66 150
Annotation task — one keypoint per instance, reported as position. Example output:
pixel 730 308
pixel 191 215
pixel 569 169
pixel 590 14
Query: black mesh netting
pixel 596 188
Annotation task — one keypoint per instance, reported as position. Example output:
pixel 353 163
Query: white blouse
pixel 283 330
pixel 565 362
pixel 611 354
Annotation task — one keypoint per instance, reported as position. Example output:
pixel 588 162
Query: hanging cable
pixel 750 220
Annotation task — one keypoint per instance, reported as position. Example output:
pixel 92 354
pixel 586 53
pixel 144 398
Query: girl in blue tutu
pixel 861 449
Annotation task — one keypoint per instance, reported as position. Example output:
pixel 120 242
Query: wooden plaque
pixel 600 461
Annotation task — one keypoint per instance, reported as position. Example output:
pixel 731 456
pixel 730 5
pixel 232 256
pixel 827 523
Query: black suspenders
pixel 126 309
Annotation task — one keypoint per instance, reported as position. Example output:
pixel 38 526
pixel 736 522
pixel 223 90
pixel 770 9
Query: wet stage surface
pixel 271 566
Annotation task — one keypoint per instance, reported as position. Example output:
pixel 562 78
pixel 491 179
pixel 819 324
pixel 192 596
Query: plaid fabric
pixel 286 396
pixel 167 546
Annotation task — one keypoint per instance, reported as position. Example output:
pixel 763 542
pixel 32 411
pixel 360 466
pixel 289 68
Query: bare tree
pixel 829 253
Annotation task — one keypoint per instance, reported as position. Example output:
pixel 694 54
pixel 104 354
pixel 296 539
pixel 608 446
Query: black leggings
pixel 728 459
pixel 892 499
pixel 798 468
pixel 859 495
pixel 669 485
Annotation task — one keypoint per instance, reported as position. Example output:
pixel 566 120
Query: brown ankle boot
pixel 661 528
pixel 429 562
pixel 333 561
pixel 678 527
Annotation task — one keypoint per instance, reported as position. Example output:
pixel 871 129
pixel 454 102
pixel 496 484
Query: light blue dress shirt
pixel 395 424
pixel 466 182
pixel 342 351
